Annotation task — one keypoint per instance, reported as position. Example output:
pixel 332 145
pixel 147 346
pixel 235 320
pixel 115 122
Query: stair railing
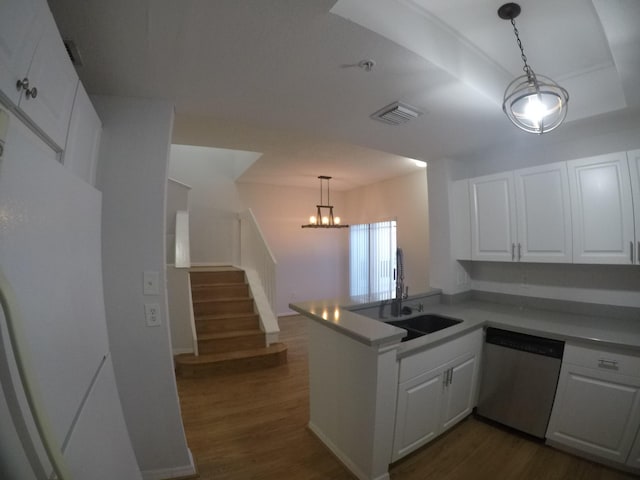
pixel 258 261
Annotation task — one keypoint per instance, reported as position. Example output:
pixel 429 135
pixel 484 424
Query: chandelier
pixel 324 217
pixel 534 103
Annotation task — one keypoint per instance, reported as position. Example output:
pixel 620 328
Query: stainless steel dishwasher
pixel 519 378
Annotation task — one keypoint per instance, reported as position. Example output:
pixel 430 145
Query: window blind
pixel 372 259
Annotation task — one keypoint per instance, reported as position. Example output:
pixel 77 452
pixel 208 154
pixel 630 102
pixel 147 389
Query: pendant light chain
pixel 526 68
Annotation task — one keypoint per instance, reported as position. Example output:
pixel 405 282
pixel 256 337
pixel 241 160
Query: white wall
pixel 178 293
pixel 177 199
pixel 405 199
pixel 616 285
pixel 132 175
pixel 213 201
pixel 312 262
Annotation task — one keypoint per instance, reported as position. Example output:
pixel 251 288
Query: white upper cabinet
pixel 55 79
pixel 493 218
pixel 522 215
pixel 83 139
pixel 543 214
pixel 19 35
pixel 602 210
pixel 634 170
pixel 50 79
pixel 461 220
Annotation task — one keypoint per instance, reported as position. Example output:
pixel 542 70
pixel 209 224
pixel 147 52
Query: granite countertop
pixel 598 330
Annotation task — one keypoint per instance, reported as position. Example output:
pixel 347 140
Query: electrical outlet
pixel 151 283
pixel 152 314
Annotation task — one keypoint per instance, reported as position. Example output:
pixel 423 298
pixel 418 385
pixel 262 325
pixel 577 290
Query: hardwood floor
pixel 252 425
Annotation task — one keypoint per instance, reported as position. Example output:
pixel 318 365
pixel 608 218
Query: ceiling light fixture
pixel 534 103
pixel 324 213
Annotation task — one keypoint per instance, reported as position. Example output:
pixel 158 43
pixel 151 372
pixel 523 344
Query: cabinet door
pixel 53 75
pixel 461 223
pixel 417 419
pixel 83 139
pixel 493 218
pixel 459 396
pixel 634 170
pixel 19 34
pixel 634 457
pixel 602 212
pixel 543 214
pixel 596 412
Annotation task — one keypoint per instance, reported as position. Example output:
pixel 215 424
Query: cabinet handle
pixel 24 85
pixel 519 251
pixel 631 251
pixel 513 252
pixel 451 376
pixel 638 256
pixel 609 364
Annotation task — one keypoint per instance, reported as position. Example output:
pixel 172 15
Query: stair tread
pixel 225 284
pixel 190 359
pixel 230 334
pixel 221 300
pixel 225 316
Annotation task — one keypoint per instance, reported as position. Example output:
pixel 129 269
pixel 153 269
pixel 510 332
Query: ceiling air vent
pixel 396 114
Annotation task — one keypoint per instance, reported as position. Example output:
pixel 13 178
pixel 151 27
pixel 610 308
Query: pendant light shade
pixel 324 217
pixel 534 103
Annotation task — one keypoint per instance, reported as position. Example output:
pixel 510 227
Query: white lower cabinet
pixel 438 388
pixel 597 405
pixel 634 457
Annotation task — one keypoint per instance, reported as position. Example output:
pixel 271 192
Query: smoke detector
pixel 396 113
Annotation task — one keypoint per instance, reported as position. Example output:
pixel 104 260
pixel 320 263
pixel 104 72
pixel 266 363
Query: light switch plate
pixel 151 283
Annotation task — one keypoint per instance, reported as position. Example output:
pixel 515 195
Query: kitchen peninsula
pixel 365 383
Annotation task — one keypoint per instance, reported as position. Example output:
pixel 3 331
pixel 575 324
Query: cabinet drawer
pixel 603 359
pixel 428 359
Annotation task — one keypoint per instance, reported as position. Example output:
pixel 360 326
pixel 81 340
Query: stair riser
pixel 207 278
pixel 226 324
pixel 233 366
pixel 222 308
pixel 231 344
pixel 219 291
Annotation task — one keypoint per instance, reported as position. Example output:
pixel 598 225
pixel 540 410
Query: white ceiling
pixel 280 77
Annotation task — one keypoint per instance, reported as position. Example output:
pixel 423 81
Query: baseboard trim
pixel 185 472
pixel 344 459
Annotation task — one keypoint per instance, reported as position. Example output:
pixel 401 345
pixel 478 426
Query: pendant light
pixel 324 217
pixel 534 103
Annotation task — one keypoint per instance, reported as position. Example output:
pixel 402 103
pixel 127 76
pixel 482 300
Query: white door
pixel 543 214
pixel 634 170
pixel 596 412
pixel 19 34
pixel 417 419
pixel 459 395
pixel 602 212
pixel 493 218
pixel 55 79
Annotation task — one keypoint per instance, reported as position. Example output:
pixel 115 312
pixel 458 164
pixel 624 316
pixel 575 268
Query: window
pixel 372 259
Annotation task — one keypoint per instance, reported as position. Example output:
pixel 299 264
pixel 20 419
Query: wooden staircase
pixel 227 326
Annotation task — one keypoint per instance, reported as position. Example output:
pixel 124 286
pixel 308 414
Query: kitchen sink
pixel 423 324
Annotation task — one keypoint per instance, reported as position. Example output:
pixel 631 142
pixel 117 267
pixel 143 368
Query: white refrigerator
pixel 57 381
